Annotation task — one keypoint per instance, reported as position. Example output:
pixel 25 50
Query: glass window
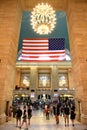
pixel 44 80
pixel 63 80
pixel 25 80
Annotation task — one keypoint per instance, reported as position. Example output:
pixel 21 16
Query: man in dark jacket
pixel 18 117
pixel 66 114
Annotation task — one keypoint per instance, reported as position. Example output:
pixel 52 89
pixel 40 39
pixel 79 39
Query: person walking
pixel 29 111
pixel 24 109
pixel 24 120
pixel 47 111
pixel 56 113
pixel 51 109
pixel 14 111
pixel 66 114
pixel 72 116
pixel 18 117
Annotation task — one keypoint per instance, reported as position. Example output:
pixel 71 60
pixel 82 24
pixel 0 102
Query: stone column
pixel 54 78
pixel 33 77
pixel 77 25
pixel 10 19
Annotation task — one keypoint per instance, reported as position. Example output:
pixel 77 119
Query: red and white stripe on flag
pixel 38 50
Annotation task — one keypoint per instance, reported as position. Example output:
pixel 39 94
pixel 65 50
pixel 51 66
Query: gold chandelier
pixel 43 19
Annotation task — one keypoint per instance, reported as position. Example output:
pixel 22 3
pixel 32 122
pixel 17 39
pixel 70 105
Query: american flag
pixel 43 49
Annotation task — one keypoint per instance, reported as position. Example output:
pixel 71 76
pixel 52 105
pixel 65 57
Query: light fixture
pixel 43 19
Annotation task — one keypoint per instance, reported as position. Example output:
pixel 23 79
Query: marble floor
pixel 39 122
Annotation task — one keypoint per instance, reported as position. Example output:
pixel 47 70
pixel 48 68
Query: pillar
pixel 54 78
pixel 33 77
pixel 77 26
pixel 10 19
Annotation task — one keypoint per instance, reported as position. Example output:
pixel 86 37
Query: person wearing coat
pixel 72 115
pixel 56 112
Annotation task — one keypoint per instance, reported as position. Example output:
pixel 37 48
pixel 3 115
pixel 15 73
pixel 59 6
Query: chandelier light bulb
pixel 43 19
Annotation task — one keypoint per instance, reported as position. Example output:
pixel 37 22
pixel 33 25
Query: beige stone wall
pixel 17 77
pixel 77 25
pixel 70 79
pixel 10 18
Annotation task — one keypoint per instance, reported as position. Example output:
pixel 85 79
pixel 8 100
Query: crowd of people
pixel 65 108
pixel 22 115
pixel 26 114
pixel 57 108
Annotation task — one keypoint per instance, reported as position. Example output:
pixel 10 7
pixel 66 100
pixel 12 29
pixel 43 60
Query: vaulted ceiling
pixel 59 5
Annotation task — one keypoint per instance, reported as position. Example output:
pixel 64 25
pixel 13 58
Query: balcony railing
pixel 20 91
pixel 68 91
